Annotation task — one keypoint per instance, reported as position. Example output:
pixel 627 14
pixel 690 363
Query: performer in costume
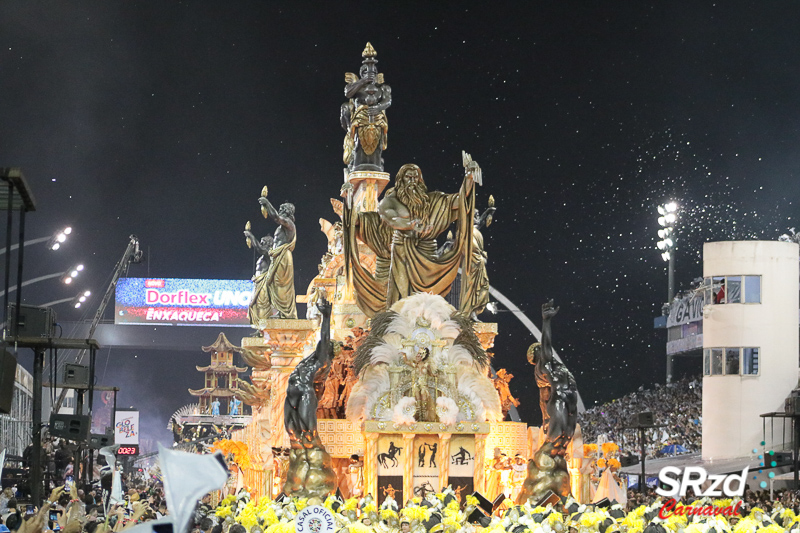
pixel 234 406
pixel 421 371
pixel 519 469
pixel 609 487
pixel 494 483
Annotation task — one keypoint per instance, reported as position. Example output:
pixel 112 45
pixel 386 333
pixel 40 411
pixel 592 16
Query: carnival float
pixel 386 388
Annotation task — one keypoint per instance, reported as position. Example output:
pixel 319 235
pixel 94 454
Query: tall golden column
pixel 479 477
pixel 444 459
pixel 371 463
pixel 408 465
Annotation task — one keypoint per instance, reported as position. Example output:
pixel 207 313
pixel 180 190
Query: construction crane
pixel 132 255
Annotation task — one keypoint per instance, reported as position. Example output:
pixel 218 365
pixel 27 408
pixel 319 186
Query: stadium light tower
pixel 668 216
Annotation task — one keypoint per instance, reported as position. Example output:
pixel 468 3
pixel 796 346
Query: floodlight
pixel 671 207
pixel 58 238
pixel 665 256
pixel 662 221
pixel 670 218
pixel 80 299
pixel 72 273
pixel 661 210
pixel 668 242
pixel 661 245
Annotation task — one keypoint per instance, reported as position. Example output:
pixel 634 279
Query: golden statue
pixel 402 234
pixel 363 116
pixel 273 281
pixel 501 383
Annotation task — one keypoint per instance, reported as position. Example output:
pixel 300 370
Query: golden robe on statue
pixel 475 289
pixel 273 290
pixel 407 262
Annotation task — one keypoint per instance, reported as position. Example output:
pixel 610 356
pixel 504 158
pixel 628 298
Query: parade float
pixel 386 387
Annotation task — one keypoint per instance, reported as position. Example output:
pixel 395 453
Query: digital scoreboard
pixel 128 450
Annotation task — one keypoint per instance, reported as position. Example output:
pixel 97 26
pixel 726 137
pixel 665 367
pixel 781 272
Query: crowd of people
pixel 82 510
pixel 76 508
pixel 676 407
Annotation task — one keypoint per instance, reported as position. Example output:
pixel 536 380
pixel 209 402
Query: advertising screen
pixel 126 428
pixel 183 302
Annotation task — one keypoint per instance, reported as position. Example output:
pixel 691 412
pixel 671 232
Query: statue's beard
pixel 414 195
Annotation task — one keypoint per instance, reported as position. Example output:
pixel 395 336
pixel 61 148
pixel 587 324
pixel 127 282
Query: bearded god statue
pixel 402 233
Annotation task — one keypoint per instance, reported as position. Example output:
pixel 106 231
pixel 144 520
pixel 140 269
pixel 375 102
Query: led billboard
pixel 183 302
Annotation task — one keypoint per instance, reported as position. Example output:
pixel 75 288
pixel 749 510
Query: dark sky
pixel 165 119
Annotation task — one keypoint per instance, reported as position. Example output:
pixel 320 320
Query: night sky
pixel 165 119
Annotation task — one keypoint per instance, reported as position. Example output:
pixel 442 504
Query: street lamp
pixel 668 216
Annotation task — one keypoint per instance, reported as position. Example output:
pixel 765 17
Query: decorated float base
pixel 470 470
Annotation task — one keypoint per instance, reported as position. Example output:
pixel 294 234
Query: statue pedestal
pixel 310 473
pixel 367 186
pixel 285 341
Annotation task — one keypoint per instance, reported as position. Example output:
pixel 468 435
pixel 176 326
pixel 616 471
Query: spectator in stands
pixel 5 496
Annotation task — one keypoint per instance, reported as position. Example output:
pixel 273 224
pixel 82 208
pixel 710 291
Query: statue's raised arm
pixel 548 312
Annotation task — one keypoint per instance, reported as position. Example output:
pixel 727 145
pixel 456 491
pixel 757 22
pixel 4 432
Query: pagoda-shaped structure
pixel 221 380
